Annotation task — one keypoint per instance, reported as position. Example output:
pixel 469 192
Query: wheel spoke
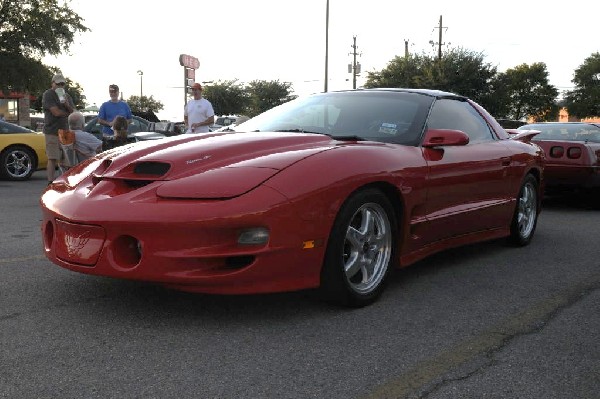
pixel 367 248
pixel 18 164
pixel 527 210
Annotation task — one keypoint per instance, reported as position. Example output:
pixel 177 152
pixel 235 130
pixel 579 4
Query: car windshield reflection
pixel 383 116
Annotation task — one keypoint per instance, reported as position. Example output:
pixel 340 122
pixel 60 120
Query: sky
pixel 285 40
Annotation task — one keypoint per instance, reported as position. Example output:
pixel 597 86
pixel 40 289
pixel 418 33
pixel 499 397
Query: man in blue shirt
pixel 111 109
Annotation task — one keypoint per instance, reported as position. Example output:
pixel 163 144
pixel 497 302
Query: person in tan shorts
pixel 57 104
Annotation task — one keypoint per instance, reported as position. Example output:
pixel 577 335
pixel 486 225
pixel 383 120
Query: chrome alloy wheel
pixel 527 210
pixel 367 248
pixel 18 164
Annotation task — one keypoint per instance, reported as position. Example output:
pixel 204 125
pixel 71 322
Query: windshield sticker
pixel 388 128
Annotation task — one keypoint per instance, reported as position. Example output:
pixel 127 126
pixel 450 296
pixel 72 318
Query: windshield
pixel 565 131
pixel 385 116
pixel 6 127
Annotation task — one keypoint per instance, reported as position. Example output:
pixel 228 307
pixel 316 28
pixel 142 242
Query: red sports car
pixel 329 191
pixel 572 154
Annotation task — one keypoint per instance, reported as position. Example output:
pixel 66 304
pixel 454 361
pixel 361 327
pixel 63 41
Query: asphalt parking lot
pixel 483 321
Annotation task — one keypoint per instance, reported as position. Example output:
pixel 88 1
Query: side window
pixel 459 115
pixel 136 126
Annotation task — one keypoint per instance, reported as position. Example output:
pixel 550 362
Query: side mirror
pixel 444 138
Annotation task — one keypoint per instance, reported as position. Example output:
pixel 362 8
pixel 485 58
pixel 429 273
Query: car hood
pixel 213 165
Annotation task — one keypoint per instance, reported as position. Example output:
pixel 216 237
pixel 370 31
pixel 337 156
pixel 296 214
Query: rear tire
pixel 17 163
pixel 526 213
pixel 360 251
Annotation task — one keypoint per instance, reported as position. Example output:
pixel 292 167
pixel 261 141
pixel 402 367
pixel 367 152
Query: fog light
pixel 255 236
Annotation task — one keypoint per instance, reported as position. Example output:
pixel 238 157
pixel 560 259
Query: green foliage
pixel 463 72
pixel 227 97
pixel 265 95
pixel 523 92
pixel 407 72
pixel 35 28
pixel 584 100
pixel 73 88
pixel 18 73
pixel 233 98
pixel 29 30
pixel 518 93
pixel 460 71
pixel 144 104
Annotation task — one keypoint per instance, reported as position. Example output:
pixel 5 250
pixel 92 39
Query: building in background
pixel 563 116
pixel 15 107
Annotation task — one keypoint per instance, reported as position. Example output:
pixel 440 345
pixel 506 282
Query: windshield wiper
pixel 296 131
pixel 349 137
pixel 341 138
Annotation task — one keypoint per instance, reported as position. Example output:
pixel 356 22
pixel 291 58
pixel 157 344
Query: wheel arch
pixel 390 191
pixel 335 288
pixel 537 174
pixel 395 197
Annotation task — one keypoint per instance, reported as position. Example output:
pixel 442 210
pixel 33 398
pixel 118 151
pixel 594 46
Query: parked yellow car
pixel 22 151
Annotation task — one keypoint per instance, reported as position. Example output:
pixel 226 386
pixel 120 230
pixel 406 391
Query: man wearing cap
pixel 198 113
pixel 57 104
pixel 112 108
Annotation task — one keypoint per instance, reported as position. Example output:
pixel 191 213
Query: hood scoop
pixel 151 169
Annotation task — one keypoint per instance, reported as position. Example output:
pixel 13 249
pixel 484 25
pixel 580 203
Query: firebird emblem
pixel 75 244
pixel 191 161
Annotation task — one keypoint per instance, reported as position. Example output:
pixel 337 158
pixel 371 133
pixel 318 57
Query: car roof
pixel 7 127
pixel 559 124
pixel 133 117
pixel 429 92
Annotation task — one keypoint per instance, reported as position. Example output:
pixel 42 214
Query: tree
pixel 233 98
pixel 463 72
pixel 227 97
pixel 400 72
pixel 144 104
pixel 584 100
pixel 20 74
pixel 31 29
pixel 459 71
pixel 74 90
pixel 264 95
pixel 522 92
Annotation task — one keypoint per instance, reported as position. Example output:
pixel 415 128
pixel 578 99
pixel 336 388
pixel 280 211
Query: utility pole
pixel 440 43
pixel 440 40
pixel 354 68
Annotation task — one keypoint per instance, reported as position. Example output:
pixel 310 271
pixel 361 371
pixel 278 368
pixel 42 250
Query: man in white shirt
pixel 198 113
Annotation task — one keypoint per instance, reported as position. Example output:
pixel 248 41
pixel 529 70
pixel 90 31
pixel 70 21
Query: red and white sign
pixel 189 61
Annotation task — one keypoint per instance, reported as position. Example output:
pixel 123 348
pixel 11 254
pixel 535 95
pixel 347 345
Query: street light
pixel 141 83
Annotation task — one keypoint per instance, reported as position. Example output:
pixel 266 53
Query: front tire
pixel 360 251
pixel 17 163
pixel 526 213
